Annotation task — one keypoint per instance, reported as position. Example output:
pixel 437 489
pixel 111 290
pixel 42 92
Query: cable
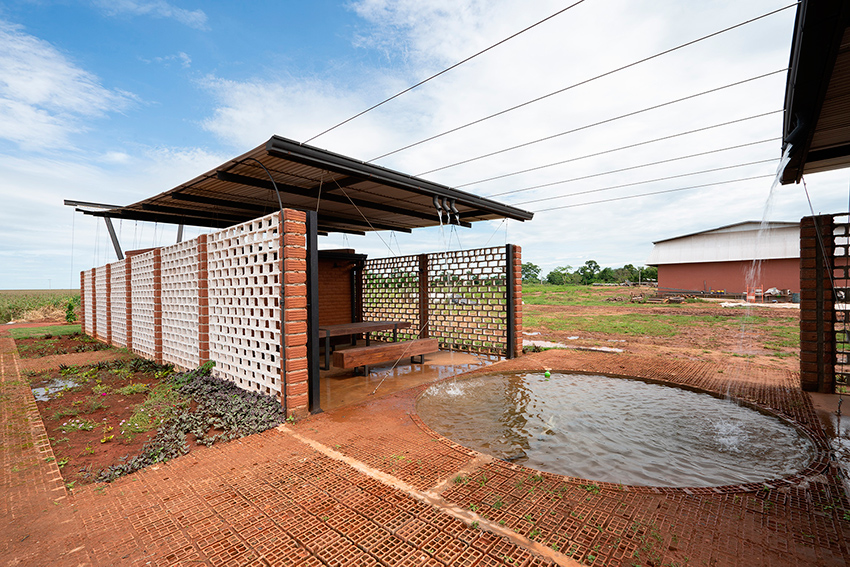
pixel 584 82
pixel 364 218
pixel 652 193
pixel 446 70
pixel 640 182
pixel 637 144
pixel 639 166
pixel 606 121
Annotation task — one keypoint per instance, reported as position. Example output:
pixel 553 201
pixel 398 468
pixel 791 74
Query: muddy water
pixel 615 430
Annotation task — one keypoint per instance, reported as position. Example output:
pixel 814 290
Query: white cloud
pixel 158 9
pixel 44 97
pixel 183 58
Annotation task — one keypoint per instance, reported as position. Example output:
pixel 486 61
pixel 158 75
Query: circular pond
pixel 615 430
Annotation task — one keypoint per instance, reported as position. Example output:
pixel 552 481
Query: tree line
pixel 591 272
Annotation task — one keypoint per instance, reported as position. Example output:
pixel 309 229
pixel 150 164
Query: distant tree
pixel 530 272
pixel 606 275
pixel 650 273
pixel 559 276
pixel 587 273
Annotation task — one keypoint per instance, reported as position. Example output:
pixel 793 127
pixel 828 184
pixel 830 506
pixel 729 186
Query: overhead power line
pixel 446 70
pixel 644 182
pixel 607 121
pixel 603 152
pixel 633 167
pixel 584 82
pixel 654 193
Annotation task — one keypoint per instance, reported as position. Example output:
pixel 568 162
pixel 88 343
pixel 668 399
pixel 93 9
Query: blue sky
pixel 114 101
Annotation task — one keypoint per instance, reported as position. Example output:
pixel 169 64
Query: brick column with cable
pixel 128 302
pixel 817 314
pixel 108 333
pixel 93 298
pixel 517 283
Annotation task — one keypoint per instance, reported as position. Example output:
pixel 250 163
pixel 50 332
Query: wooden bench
pixel 384 352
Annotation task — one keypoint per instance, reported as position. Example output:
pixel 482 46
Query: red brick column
pixel 128 300
pixel 109 304
pixel 83 302
pixel 517 283
pixel 817 335
pixel 203 302
pixel 293 260
pixel 157 304
pixel 93 297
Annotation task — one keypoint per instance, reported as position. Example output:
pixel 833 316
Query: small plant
pixel 461 479
pixel 473 507
pixel 63 461
pixel 70 314
pixel 77 425
pixel 498 504
pixel 135 388
pixel 534 533
pixel 88 450
pixel 474 524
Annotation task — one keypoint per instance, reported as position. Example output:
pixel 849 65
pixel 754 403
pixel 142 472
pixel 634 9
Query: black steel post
pixel 313 387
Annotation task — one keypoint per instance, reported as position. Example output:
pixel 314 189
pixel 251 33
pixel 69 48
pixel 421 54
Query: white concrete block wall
pixel 118 302
pixel 179 269
pixel 88 312
pixel 101 315
pixel 244 313
pixel 142 289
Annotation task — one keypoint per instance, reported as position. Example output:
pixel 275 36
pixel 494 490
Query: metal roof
pixel 743 226
pixel 350 196
pixel 817 92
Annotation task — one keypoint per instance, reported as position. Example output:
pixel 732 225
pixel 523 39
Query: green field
pixel 14 303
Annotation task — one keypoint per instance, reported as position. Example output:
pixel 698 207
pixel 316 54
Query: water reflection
pixel 615 430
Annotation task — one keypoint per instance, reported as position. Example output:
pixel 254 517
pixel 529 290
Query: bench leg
pixel 361 371
pixel 421 358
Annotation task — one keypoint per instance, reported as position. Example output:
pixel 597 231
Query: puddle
pixel 548 344
pixel 43 393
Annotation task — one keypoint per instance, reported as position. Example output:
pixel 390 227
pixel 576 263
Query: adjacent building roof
pixel 817 93
pixel 743 241
pixel 350 195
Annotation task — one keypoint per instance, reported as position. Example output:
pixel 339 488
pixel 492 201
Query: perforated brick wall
pixel 101 303
pixel 468 296
pixel 391 293
pixel 180 274
pixel 87 300
pixel 244 278
pixel 118 302
pixel 144 304
pixel 463 294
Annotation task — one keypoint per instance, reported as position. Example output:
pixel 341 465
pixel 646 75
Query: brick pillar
pixel 203 302
pixel 293 266
pixel 128 301
pixel 83 302
pixel 817 335
pixel 93 297
pixel 517 283
pixel 109 304
pixel 157 304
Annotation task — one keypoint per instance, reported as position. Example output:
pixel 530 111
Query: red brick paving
pixel 371 485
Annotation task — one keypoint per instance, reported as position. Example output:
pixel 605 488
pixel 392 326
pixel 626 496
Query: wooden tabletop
pixel 361 327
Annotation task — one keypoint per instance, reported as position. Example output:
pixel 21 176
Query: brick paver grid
pixel 269 499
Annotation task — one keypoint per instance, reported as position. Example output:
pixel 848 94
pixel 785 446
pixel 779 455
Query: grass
pixel 38 332
pixel 15 303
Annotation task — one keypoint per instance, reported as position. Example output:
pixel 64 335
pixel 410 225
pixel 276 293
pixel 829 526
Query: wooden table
pixel 363 327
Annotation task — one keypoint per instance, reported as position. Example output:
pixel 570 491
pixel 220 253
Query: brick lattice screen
pixel 216 297
pixel 462 298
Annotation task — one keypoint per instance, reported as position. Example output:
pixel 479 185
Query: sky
pixel 113 101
